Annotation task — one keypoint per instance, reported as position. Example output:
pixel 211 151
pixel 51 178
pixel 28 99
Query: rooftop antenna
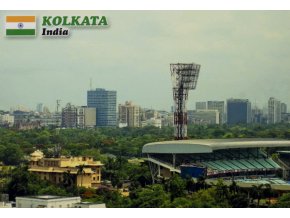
pixel 184 78
pixel 91 84
pixel 57 105
pixel 57 148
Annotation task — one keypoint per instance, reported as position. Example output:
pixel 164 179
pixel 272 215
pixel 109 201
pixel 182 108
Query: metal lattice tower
pixel 184 78
pixel 57 105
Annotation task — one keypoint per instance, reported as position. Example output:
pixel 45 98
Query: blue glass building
pixel 105 103
pixel 238 111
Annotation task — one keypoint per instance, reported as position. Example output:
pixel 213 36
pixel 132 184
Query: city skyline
pixel 198 105
pixel 244 53
pixel 62 104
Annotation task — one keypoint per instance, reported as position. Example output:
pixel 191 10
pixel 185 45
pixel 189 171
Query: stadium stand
pixel 243 159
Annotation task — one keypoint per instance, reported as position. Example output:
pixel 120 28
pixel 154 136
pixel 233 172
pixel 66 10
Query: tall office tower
pixel 122 115
pixel 203 117
pixel 257 115
pixel 86 117
pixel 129 115
pixel 283 108
pixel 150 113
pixel 274 111
pixel 200 105
pixel 69 116
pixel 284 114
pixel 220 106
pixel 39 107
pixel 105 103
pixel 238 111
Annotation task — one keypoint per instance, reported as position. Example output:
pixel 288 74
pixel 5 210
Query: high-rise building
pixel 46 110
pixel 157 122
pixel 238 111
pixel 6 120
pixel 86 117
pixel 283 108
pixel 203 117
pixel 39 107
pixel 220 106
pixel 69 116
pixel 167 119
pixel 258 115
pixel 284 115
pixel 274 111
pixel 200 105
pixel 105 103
pixel 129 115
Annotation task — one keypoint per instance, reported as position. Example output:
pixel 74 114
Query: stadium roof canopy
pixel 209 145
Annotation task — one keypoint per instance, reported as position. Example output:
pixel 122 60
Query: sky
pixel 243 54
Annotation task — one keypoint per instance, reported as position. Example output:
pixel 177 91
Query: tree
pixel 81 172
pixel 2 148
pixel 68 179
pixel 268 192
pixel 112 198
pixel 12 155
pixel 201 183
pixel 257 192
pixel 190 185
pixel 139 174
pixel 283 201
pixel 52 190
pixel 204 198
pixel 181 202
pixel 237 198
pixel 222 192
pixel 176 187
pixel 153 196
pixel 24 183
pixel 234 188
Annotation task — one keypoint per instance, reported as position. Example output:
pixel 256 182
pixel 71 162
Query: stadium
pixel 247 161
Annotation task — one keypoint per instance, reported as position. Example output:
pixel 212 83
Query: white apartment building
pixel 129 115
pixel 46 201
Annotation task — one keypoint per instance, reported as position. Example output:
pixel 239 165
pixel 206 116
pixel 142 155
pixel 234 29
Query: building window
pixel 94 178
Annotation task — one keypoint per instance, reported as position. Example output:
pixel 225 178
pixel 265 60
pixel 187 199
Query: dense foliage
pixel 126 142
pixel 114 147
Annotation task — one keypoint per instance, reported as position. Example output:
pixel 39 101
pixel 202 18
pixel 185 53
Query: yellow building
pixel 80 171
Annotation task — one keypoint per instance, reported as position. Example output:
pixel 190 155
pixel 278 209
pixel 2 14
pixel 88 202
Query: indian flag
pixel 20 25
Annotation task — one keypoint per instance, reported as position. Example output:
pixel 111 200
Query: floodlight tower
pixel 184 78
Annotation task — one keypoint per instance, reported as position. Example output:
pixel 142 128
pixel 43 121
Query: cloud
pixel 236 49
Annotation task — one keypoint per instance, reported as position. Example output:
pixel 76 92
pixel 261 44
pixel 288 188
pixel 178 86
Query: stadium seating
pixel 273 163
pixel 247 164
pixel 256 164
pixel 241 164
pixel 238 164
pixel 264 163
pixel 231 165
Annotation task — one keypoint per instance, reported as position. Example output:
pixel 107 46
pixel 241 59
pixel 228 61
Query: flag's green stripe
pixel 24 32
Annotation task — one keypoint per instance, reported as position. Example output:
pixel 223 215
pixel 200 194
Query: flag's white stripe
pixel 26 25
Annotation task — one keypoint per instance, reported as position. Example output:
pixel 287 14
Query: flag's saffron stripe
pixel 11 32
pixel 20 18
